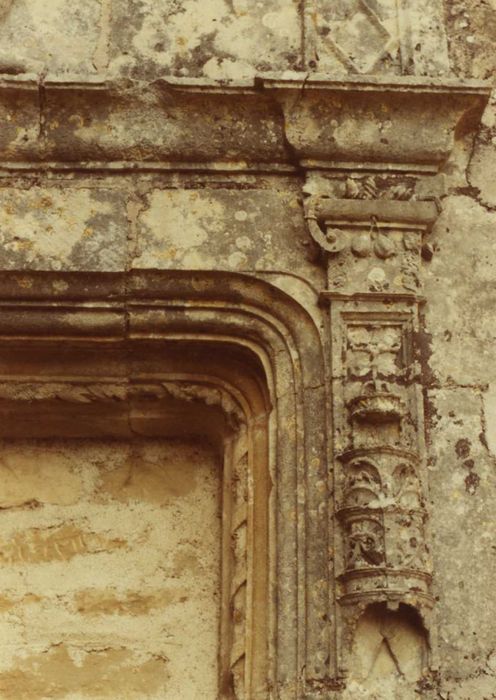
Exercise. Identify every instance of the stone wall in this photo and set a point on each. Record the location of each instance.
(219, 39)
(147, 140)
(459, 322)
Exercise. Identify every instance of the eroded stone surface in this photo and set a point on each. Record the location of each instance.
(59, 228)
(222, 230)
(110, 558)
(110, 578)
(390, 653)
(31, 29)
(220, 39)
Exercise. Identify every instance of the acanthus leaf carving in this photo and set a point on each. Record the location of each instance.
(382, 478)
(86, 393)
(383, 514)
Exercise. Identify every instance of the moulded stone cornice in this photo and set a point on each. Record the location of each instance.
(377, 450)
(421, 214)
(408, 122)
(370, 83)
(400, 123)
(62, 322)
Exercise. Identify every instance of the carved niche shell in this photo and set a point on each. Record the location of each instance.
(363, 485)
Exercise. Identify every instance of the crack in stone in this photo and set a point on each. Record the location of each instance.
(101, 57)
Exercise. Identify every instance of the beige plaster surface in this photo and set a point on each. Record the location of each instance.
(110, 569)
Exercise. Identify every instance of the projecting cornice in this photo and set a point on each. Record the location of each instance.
(274, 122)
(403, 123)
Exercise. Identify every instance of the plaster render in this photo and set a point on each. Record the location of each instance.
(145, 515)
(249, 247)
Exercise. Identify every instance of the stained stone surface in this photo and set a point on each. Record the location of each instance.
(109, 569)
(59, 36)
(460, 336)
(56, 228)
(110, 551)
(220, 39)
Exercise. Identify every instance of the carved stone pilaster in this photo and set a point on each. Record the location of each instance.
(372, 241)
(372, 150)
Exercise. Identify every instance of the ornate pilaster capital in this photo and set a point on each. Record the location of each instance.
(373, 245)
(372, 149)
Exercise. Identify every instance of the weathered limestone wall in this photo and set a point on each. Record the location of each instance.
(97, 571)
(461, 379)
(110, 565)
(218, 39)
(257, 225)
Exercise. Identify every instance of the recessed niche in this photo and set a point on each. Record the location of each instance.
(390, 649)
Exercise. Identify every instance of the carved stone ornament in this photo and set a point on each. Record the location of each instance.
(383, 518)
(380, 241)
(375, 36)
(376, 406)
(370, 206)
(315, 401)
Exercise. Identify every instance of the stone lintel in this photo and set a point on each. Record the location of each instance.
(394, 123)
